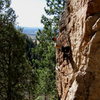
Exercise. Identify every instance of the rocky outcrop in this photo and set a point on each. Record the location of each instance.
(78, 70)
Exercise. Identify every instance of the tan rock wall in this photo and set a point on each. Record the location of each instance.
(78, 75)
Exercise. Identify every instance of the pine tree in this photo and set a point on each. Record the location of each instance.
(16, 74)
(44, 53)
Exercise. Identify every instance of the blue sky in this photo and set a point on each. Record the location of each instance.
(29, 12)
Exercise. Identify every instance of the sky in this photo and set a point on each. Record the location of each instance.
(29, 12)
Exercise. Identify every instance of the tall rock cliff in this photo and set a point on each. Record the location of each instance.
(78, 58)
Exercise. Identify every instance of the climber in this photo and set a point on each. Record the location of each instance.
(66, 53)
(58, 44)
(65, 49)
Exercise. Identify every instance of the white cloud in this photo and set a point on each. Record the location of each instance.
(29, 12)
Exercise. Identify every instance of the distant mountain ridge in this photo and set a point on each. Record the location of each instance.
(30, 30)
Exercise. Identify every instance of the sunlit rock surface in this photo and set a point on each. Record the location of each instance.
(78, 76)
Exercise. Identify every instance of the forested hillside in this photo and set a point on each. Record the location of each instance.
(44, 60)
(27, 68)
(16, 72)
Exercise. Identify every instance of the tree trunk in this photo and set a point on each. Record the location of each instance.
(9, 95)
(46, 97)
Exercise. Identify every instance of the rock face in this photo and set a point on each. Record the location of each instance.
(78, 68)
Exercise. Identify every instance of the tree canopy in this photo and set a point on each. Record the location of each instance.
(27, 69)
(44, 60)
(16, 73)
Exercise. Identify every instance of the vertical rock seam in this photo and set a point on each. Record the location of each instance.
(78, 76)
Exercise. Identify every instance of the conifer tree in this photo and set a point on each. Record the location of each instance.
(44, 53)
(16, 74)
